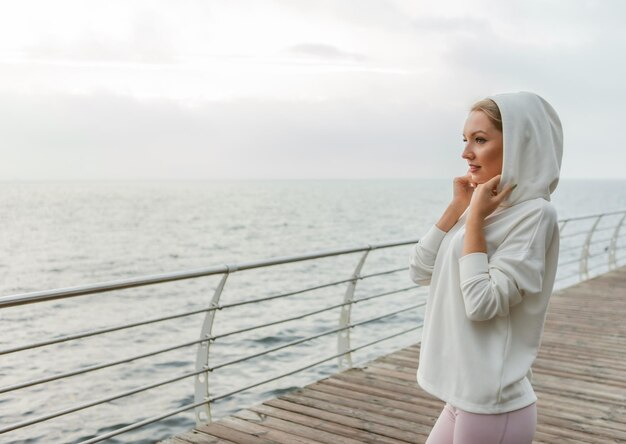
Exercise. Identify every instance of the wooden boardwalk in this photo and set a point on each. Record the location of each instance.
(579, 377)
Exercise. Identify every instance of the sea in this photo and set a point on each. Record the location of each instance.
(64, 234)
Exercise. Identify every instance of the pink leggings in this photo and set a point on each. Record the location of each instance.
(456, 426)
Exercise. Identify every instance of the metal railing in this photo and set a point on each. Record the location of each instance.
(589, 258)
(571, 242)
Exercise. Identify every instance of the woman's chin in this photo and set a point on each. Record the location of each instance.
(476, 178)
(480, 178)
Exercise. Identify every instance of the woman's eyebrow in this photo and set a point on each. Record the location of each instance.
(477, 131)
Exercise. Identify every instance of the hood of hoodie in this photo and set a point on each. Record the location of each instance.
(532, 141)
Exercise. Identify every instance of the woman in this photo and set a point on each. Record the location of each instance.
(490, 262)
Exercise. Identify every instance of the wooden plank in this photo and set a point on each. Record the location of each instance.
(358, 423)
(361, 431)
(309, 431)
(194, 436)
(579, 376)
(276, 436)
(223, 430)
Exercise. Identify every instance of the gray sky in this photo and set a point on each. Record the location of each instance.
(296, 89)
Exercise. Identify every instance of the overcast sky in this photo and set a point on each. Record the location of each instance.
(296, 89)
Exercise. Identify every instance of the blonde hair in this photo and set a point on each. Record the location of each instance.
(492, 111)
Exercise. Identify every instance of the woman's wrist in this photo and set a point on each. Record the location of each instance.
(474, 239)
(475, 219)
(458, 205)
(450, 216)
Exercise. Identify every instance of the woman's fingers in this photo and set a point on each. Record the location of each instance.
(494, 180)
(465, 181)
(470, 182)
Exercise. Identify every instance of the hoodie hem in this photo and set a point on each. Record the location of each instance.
(515, 404)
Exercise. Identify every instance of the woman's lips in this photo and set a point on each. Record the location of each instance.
(473, 169)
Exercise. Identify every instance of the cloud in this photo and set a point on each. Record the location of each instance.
(447, 25)
(144, 38)
(110, 136)
(381, 14)
(382, 91)
(323, 51)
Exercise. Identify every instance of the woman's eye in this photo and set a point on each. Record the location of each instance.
(478, 139)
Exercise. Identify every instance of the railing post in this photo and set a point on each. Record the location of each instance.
(343, 336)
(584, 266)
(202, 392)
(613, 247)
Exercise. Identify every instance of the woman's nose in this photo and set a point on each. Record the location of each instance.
(467, 153)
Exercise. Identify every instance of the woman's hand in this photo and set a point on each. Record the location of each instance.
(486, 199)
(463, 190)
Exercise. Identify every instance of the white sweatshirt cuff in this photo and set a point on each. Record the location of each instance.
(472, 265)
(432, 239)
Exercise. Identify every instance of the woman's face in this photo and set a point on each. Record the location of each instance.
(483, 147)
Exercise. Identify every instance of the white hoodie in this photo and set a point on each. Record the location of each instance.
(485, 312)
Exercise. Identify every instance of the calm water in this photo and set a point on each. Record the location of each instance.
(64, 234)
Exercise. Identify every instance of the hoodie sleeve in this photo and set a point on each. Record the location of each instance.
(423, 254)
(491, 286)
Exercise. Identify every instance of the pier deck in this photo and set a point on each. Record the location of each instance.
(579, 377)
